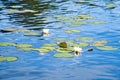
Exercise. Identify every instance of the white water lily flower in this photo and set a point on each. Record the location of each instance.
(46, 32)
(77, 51)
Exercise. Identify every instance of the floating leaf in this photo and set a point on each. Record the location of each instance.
(23, 45)
(70, 42)
(85, 39)
(83, 16)
(97, 22)
(75, 23)
(63, 55)
(7, 44)
(72, 31)
(26, 48)
(16, 6)
(2, 58)
(62, 44)
(32, 11)
(64, 50)
(111, 5)
(11, 58)
(107, 48)
(43, 50)
(100, 43)
(32, 34)
(83, 44)
(23, 30)
(48, 45)
(12, 11)
(12, 29)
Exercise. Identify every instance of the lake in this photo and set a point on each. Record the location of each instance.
(27, 54)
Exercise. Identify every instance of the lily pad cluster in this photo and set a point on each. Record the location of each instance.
(63, 47)
(74, 21)
(8, 58)
(24, 31)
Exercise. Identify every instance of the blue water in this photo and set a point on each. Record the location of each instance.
(95, 65)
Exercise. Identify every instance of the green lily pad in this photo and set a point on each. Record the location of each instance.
(97, 22)
(83, 44)
(2, 58)
(23, 45)
(100, 43)
(62, 44)
(32, 34)
(75, 23)
(7, 44)
(85, 39)
(11, 58)
(16, 6)
(107, 48)
(70, 42)
(63, 55)
(64, 50)
(12, 29)
(26, 48)
(32, 11)
(111, 5)
(72, 31)
(43, 50)
(9, 11)
(48, 45)
(24, 30)
(83, 17)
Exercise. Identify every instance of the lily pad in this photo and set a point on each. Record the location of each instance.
(97, 22)
(16, 6)
(32, 34)
(43, 50)
(26, 48)
(62, 44)
(100, 43)
(7, 44)
(83, 44)
(111, 5)
(70, 42)
(23, 45)
(48, 45)
(72, 31)
(32, 11)
(75, 23)
(107, 48)
(63, 55)
(84, 39)
(83, 17)
(11, 58)
(64, 50)
(12, 29)
(2, 58)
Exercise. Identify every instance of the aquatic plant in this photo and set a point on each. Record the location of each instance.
(63, 55)
(7, 44)
(107, 48)
(72, 31)
(8, 58)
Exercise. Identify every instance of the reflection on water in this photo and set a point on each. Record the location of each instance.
(100, 21)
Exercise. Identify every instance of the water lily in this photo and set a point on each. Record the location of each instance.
(46, 32)
(77, 51)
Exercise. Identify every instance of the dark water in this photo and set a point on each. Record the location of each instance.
(95, 65)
